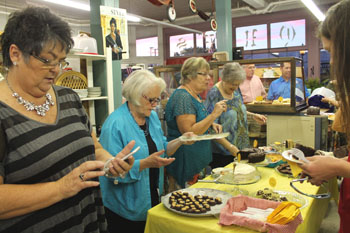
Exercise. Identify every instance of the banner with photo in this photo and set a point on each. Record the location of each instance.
(115, 31)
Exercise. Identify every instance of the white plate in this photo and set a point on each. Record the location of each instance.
(214, 210)
(288, 155)
(293, 197)
(204, 137)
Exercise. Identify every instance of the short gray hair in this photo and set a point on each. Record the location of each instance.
(233, 72)
(139, 82)
(190, 68)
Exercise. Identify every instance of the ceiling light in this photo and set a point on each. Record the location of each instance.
(314, 9)
(69, 3)
(165, 23)
(133, 18)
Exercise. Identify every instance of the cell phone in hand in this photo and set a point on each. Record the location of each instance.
(131, 153)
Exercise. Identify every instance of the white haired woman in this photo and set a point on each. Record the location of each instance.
(128, 201)
(234, 120)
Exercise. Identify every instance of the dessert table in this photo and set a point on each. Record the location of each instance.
(160, 219)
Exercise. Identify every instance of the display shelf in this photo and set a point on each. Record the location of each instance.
(108, 92)
(92, 57)
(94, 98)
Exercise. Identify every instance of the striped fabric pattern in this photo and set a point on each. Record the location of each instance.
(39, 152)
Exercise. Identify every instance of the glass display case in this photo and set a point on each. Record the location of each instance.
(285, 93)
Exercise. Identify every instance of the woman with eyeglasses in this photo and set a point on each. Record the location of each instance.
(234, 120)
(127, 199)
(50, 159)
(185, 112)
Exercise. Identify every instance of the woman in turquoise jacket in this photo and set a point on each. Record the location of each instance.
(127, 199)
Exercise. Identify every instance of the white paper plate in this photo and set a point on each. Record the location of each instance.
(204, 137)
(214, 210)
(288, 155)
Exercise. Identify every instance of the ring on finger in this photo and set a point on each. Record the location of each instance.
(81, 176)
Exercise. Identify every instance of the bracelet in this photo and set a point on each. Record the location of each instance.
(106, 168)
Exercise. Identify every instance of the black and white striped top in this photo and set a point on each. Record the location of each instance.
(39, 152)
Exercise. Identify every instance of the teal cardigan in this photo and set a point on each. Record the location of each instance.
(131, 197)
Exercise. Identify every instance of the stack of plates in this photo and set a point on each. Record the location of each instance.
(83, 93)
(94, 91)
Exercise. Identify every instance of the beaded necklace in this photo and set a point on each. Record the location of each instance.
(40, 109)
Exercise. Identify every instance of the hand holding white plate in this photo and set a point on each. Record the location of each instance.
(204, 137)
(295, 155)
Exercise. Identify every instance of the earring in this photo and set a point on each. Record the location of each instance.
(14, 63)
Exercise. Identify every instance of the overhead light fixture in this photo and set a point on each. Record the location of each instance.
(165, 24)
(314, 9)
(258, 4)
(133, 18)
(69, 3)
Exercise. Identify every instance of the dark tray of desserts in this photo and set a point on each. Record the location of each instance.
(254, 156)
(284, 170)
(196, 202)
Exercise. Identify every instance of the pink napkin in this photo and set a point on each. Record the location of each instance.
(240, 203)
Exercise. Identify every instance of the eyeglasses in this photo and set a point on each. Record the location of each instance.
(152, 100)
(62, 64)
(204, 74)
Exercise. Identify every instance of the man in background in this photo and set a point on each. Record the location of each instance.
(281, 86)
(252, 86)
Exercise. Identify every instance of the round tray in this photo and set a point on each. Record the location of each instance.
(293, 197)
(215, 210)
(283, 174)
(229, 179)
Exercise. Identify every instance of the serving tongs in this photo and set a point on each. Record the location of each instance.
(317, 196)
(300, 155)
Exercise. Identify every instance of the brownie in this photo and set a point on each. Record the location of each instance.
(308, 151)
(256, 157)
(245, 152)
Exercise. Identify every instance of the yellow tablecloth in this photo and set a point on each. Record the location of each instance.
(162, 220)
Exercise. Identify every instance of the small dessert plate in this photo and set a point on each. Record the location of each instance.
(295, 155)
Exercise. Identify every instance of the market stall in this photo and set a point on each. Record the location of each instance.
(160, 219)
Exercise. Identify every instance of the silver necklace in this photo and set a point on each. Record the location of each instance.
(40, 109)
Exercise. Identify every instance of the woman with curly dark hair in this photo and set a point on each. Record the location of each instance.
(50, 159)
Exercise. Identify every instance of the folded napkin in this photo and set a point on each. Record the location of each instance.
(241, 203)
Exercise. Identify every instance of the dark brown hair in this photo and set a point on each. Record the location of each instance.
(336, 29)
(33, 28)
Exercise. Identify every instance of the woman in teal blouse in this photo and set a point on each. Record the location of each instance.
(185, 112)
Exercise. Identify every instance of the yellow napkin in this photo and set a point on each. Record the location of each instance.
(284, 213)
(295, 168)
